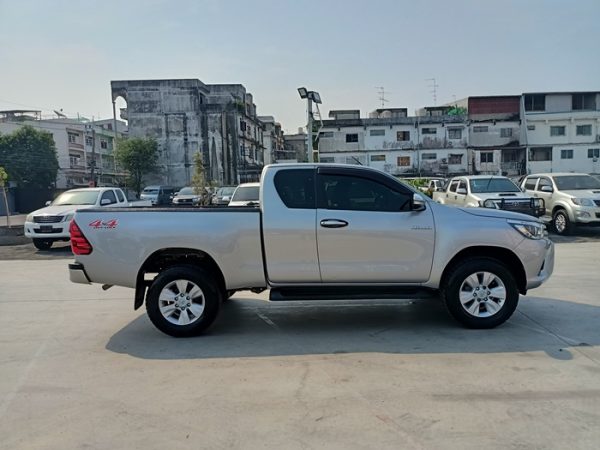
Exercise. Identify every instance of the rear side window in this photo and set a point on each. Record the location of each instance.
(453, 186)
(110, 195)
(120, 195)
(296, 188)
(530, 183)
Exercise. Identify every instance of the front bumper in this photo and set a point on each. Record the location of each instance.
(587, 215)
(537, 276)
(77, 274)
(57, 231)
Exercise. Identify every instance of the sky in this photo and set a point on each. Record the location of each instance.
(63, 54)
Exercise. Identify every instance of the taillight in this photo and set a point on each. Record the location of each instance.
(79, 244)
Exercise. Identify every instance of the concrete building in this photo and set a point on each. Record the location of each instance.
(80, 145)
(494, 135)
(187, 116)
(296, 144)
(561, 131)
(391, 141)
(273, 141)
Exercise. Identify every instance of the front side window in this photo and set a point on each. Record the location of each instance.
(120, 195)
(530, 183)
(353, 193)
(296, 188)
(543, 182)
(453, 186)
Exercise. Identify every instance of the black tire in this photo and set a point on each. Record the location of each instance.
(451, 291)
(193, 275)
(42, 244)
(561, 223)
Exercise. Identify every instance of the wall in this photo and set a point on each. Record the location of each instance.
(492, 137)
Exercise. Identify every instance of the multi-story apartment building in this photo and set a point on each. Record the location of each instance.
(273, 142)
(186, 117)
(561, 131)
(84, 149)
(391, 141)
(296, 145)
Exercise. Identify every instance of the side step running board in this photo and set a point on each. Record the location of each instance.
(350, 293)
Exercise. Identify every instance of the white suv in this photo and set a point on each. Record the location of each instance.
(50, 224)
(571, 198)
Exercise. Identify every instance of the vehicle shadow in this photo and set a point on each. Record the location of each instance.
(255, 328)
(580, 235)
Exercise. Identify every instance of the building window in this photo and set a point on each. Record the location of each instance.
(403, 136)
(584, 130)
(326, 134)
(326, 159)
(486, 157)
(535, 102)
(72, 138)
(429, 131)
(242, 125)
(88, 141)
(103, 144)
(377, 158)
(429, 156)
(506, 132)
(540, 154)
(480, 129)
(455, 133)
(566, 154)
(455, 159)
(377, 133)
(530, 127)
(557, 131)
(403, 161)
(584, 102)
(593, 152)
(352, 137)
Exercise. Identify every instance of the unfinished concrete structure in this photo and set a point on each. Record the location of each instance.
(186, 117)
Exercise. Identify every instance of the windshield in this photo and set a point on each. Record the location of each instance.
(576, 182)
(486, 185)
(246, 194)
(76, 198)
(150, 191)
(226, 191)
(186, 191)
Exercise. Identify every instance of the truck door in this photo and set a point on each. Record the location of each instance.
(366, 230)
(288, 204)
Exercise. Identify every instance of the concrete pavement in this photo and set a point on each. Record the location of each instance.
(80, 369)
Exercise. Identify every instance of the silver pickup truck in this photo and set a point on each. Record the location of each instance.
(321, 232)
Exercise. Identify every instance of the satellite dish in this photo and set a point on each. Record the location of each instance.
(60, 114)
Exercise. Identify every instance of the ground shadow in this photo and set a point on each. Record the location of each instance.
(255, 328)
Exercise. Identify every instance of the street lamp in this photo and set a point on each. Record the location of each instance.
(310, 96)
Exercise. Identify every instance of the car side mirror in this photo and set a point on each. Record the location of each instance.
(547, 189)
(461, 191)
(104, 202)
(418, 203)
(48, 203)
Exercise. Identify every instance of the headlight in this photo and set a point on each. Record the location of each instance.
(583, 201)
(531, 230)
(29, 218)
(68, 217)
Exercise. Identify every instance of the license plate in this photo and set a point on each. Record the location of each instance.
(46, 228)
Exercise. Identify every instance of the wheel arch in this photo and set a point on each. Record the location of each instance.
(168, 257)
(503, 255)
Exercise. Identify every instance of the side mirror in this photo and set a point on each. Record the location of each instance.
(48, 203)
(547, 189)
(461, 191)
(105, 202)
(418, 203)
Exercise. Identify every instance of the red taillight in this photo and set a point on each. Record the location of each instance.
(79, 244)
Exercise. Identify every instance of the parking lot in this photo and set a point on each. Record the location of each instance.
(80, 369)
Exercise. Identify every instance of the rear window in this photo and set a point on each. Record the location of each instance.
(246, 194)
(296, 188)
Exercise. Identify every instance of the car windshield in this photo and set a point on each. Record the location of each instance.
(246, 194)
(226, 191)
(576, 182)
(186, 191)
(486, 185)
(76, 198)
(150, 191)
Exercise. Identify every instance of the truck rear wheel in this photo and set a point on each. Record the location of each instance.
(480, 293)
(183, 301)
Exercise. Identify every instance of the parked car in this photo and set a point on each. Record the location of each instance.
(433, 185)
(246, 194)
(322, 232)
(187, 197)
(50, 224)
(489, 192)
(572, 199)
(223, 195)
(158, 195)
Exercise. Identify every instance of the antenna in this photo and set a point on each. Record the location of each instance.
(381, 98)
(433, 90)
(60, 114)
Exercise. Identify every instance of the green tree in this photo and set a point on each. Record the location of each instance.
(199, 182)
(3, 180)
(30, 157)
(139, 157)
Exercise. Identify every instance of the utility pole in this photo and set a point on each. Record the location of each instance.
(309, 144)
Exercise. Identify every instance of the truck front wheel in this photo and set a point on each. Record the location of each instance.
(562, 224)
(183, 301)
(480, 293)
(43, 244)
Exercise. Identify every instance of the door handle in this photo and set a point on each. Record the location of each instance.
(333, 223)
